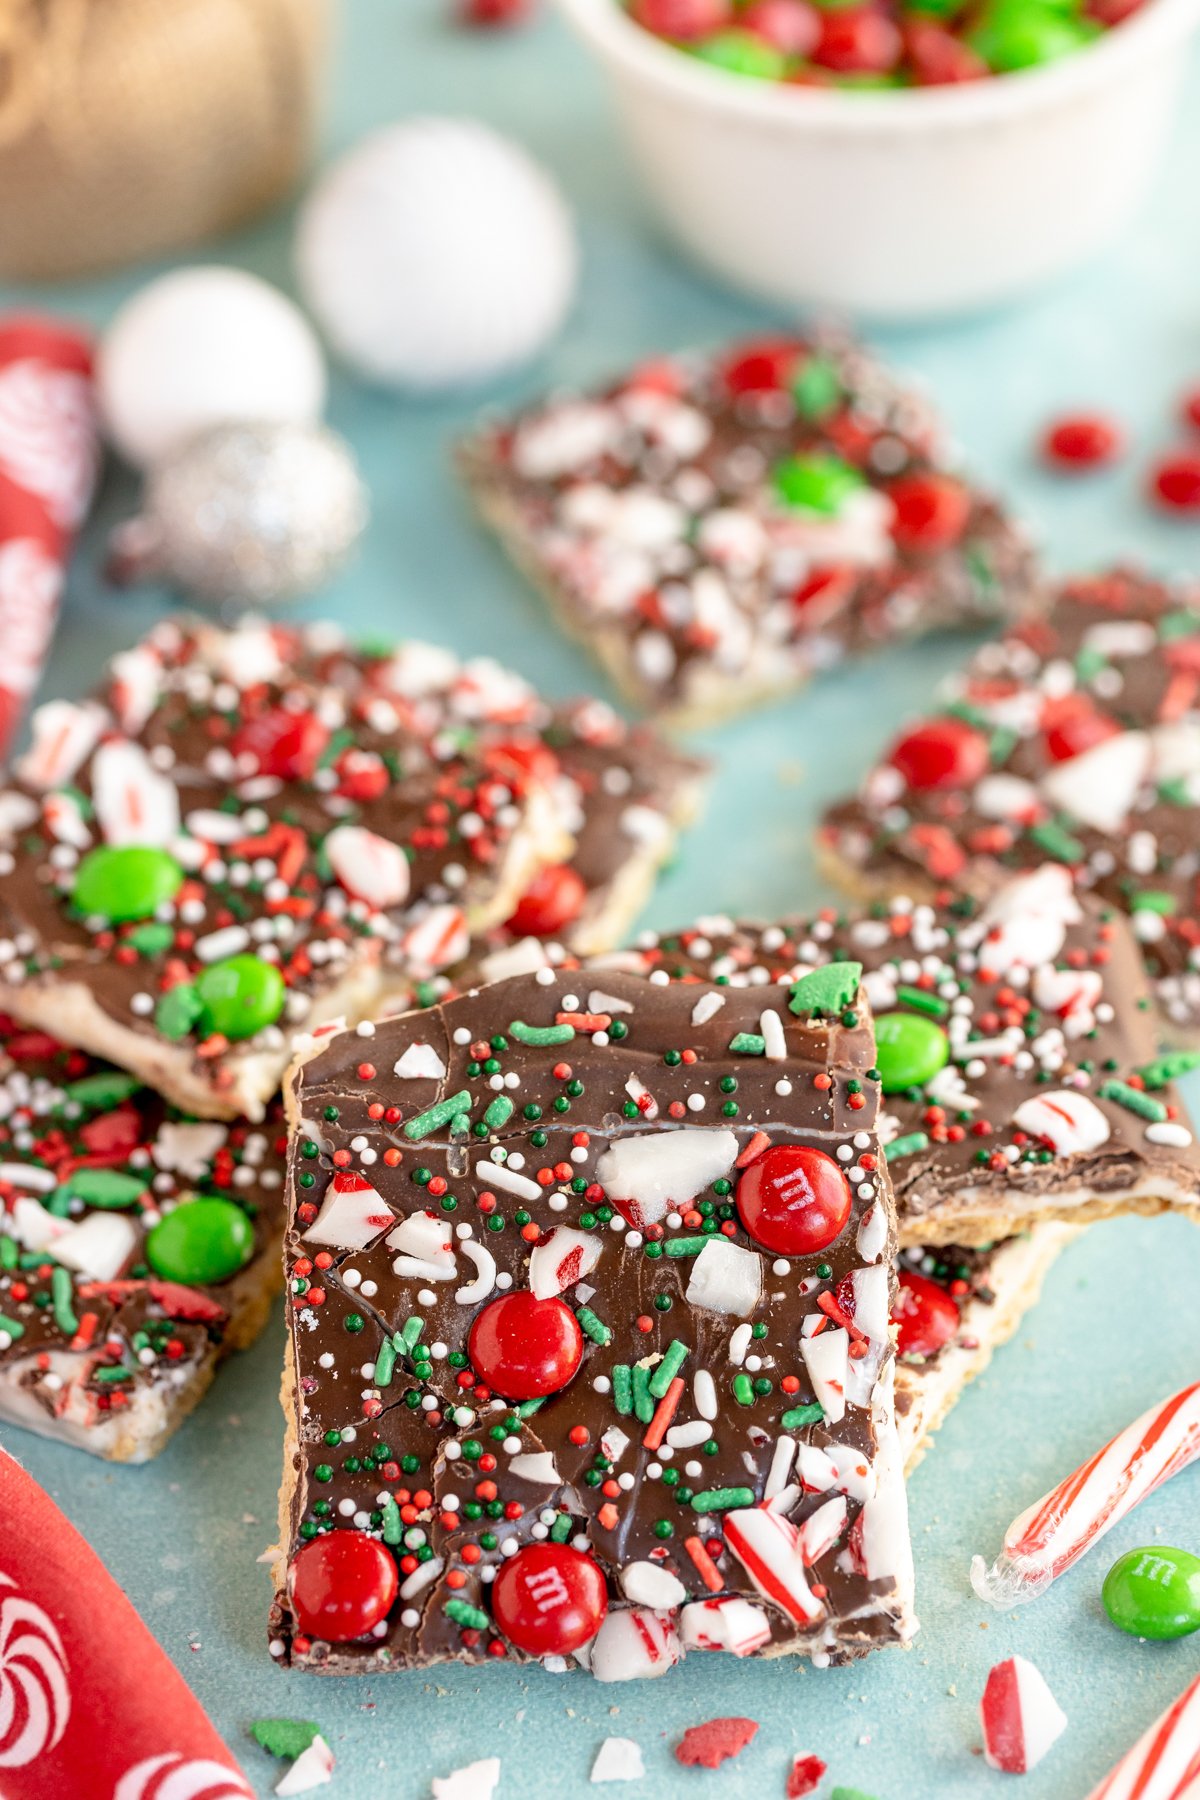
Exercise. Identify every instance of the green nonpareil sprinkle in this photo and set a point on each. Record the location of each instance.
(673, 1360)
(593, 1326)
(722, 1499)
(1057, 842)
(685, 1246)
(540, 1036)
(286, 1738)
(62, 1293)
(747, 1043)
(498, 1113)
(812, 1414)
(561, 1529)
(393, 1524)
(743, 1390)
(921, 1001)
(410, 1333)
(643, 1399)
(438, 1115)
(908, 1145)
(1166, 1069)
(1133, 1100)
(12, 1328)
(466, 1615)
(622, 1389)
(385, 1361)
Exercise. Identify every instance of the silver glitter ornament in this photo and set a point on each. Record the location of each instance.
(255, 513)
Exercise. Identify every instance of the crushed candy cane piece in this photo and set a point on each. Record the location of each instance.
(618, 1759)
(708, 1745)
(1020, 1716)
(474, 1781)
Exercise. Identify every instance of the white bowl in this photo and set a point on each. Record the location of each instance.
(901, 204)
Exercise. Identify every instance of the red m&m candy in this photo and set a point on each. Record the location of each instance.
(941, 753)
(794, 1200)
(1175, 482)
(549, 1600)
(554, 899)
(341, 1585)
(282, 743)
(925, 1315)
(524, 1347)
(1080, 441)
(931, 511)
(1073, 725)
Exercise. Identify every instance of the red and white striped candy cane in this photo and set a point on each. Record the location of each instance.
(1057, 1530)
(1164, 1764)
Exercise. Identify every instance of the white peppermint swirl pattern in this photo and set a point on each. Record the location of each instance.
(48, 436)
(174, 1777)
(35, 1696)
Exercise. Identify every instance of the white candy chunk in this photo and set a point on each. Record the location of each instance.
(817, 1471)
(64, 735)
(423, 1238)
(614, 1443)
(853, 1474)
(871, 1241)
(822, 1529)
(725, 1278)
(536, 1466)
(30, 1177)
(439, 938)
(352, 1214)
(560, 1259)
(1025, 922)
(731, 1624)
(134, 803)
(707, 1007)
(1067, 1119)
(1176, 750)
(33, 1226)
(369, 867)
(525, 957)
(136, 677)
(65, 821)
(485, 1273)
(646, 1175)
(618, 1759)
(826, 1357)
(418, 668)
(477, 1781)
(768, 1547)
(1021, 1719)
(420, 1062)
(646, 1584)
(782, 1458)
(1099, 787)
(311, 1769)
(1006, 797)
(635, 1644)
(770, 1026)
(879, 1540)
(187, 1148)
(600, 1002)
(99, 1246)
(246, 655)
(872, 1306)
(704, 1392)
(1071, 994)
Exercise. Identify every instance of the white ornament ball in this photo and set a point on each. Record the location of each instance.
(436, 253)
(203, 347)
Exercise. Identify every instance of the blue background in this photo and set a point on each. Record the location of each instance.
(1118, 1327)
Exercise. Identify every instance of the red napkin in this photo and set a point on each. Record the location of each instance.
(48, 460)
(89, 1705)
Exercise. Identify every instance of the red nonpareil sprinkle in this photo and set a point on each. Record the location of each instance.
(707, 1746)
(1175, 482)
(804, 1777)
(1080, 441)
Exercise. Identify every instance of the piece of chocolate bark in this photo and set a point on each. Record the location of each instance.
(1015, 1046)
(1075, 738)
(590, 1355)
(955, 1306)
(718, 527)
(137, 1248)
(248, 832)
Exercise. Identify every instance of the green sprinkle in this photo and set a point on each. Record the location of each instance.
(622, 1389)
(685, 1246)
(438, 1115)
(100, 1093)
(668, 1368)
(541, 1036)
(498, 1113)
(106, 1188)
(393, 1525)
(287, 1738)
(527, 1408)
(12, 1328)
(817, 388)
(743, 1390)
(923, 1002)
(593, 1326)
(721, 1499)
(812, 1414)
(1163, 904)
(410, 1334)
(62, 1289)
(830, 989)
(178, 1011)
(1178, 625)
(1057, 842)
(152, 939)
(1133, 1100)
(114, 1372)
(561, 1529)
(1166, 1069)
(385, 1360)
(466, 1615)
(908, 1145)
(643, 1399)
(10, 1253)
(748, 1043)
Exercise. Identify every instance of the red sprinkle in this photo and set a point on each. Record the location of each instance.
(1080, 441)
(1175, 482)
(805, 1777)
(707, 1746)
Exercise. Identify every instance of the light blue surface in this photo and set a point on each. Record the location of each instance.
(1119, 1326)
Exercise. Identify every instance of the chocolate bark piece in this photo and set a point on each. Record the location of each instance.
(137, 1248)
(252, 830)
(991, 1288)
(1021, 1080)
(715, 527)
(593, 1148)
(1075, 738)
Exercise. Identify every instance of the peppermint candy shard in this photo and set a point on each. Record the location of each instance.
(1021, 1718)
(707, 1746)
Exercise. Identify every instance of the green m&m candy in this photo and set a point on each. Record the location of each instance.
(909, 1050)
(742, 53)
(820, 484)
(1022, 34)
(240, 996)
(1154, 1593)
(201, 1242)
(124, 882)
